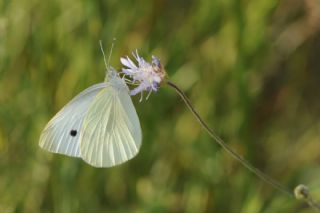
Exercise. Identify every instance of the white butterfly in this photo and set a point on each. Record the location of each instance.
(100, 125)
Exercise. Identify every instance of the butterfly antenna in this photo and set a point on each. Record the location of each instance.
(112, 45)
(104, 56)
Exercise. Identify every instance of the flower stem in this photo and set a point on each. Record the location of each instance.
(301, 192)
(227, 148)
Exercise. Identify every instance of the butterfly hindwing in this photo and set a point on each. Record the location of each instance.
(111, 132)
(61, 134)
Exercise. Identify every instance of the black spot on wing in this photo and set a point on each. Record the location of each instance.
(73, 133)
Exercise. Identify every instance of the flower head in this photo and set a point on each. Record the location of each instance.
(148, 76)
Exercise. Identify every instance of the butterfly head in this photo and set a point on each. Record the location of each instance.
(112, 78)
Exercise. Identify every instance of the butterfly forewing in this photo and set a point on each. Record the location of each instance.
(111, 132)
(61, 134)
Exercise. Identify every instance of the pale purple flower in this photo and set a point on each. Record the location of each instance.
(147, 76)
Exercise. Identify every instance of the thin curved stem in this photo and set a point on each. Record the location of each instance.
(227, 148)
(301, 192)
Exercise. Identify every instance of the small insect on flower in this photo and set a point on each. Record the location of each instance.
(148, 76)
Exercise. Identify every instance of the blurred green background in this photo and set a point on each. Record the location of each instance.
(251, 68)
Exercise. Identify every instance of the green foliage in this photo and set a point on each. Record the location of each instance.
(251, 68)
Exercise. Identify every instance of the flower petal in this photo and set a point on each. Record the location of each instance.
(128, 63)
